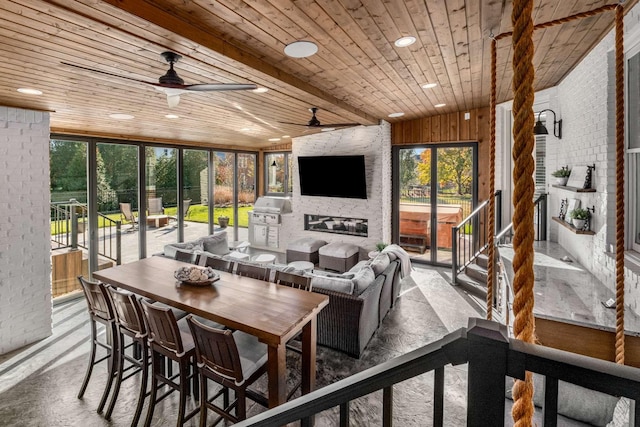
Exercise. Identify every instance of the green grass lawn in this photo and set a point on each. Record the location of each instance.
(197, 213)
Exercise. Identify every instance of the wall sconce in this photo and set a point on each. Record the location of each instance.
(540, 129)
(273, 167)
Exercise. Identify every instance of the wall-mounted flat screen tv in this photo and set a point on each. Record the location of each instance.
(333, 176)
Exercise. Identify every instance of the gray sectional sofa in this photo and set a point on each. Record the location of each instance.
(359, 299)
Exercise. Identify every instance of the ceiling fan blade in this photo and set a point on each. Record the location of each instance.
(205, 87)
(93, 70)
(336, 125)
(332, 125)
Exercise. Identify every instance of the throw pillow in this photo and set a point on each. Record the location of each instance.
(359, 265)
(622, 412)
(380, 262)
(216, 244)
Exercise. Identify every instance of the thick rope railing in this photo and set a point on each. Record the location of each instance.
(564, 20)
(619, 185)
(523, 75)
(492, 186)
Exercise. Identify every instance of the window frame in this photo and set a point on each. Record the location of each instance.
(632, 169)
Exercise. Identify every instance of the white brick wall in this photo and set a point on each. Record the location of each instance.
(585, 101)
(375, 143)
(25, 265)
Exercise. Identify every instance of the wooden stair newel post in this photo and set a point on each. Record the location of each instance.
(523, 74)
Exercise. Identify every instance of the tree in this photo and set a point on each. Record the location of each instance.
(408, 173)
(455, 165)
(424, 168)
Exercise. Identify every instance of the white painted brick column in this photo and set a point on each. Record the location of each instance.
(25, 262)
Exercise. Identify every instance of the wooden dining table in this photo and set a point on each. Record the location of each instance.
(273, 313)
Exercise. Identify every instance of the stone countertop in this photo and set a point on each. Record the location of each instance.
(569, 292)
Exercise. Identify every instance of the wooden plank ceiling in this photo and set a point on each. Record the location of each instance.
(358, 75)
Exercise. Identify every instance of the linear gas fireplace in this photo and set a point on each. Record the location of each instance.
(337, 225)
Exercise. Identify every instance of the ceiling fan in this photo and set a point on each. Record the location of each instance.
(315, 123)
(172, 85)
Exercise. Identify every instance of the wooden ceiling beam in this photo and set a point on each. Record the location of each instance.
(161, 18)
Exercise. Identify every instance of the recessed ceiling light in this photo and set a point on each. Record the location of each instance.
(29, 91)
(301, 49)
(327, 129)
(172, 116)
(245, 129)
(439, 105)
(260, 90)
(286, 136)
(120, 116)
(429, 85)
(405, 41)
(396, 114)
(274, 139)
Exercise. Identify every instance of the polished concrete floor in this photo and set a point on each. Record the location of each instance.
(39, 383)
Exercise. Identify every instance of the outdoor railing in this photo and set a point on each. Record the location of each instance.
(69, 222)
(470, 238)
(490, 356)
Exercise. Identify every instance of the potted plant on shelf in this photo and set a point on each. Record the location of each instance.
(578, 217)
(561, 175)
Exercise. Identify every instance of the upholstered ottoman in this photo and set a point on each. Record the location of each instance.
(338, 256)
(305, 249)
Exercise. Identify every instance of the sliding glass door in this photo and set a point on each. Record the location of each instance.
(436, 189)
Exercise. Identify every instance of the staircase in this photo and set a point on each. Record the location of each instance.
(474, 277)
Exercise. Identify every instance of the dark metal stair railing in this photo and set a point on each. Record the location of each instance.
(491, 357)
(69, 230)
(469, 238)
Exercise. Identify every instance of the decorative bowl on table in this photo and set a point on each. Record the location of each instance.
(198, 276)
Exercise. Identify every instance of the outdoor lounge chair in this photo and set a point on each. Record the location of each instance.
(126, 214)
(154, 206)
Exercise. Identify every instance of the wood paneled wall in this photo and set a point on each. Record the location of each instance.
(451, 128)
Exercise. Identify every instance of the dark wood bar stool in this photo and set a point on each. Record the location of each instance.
(234, 360)
(171, 339)
(130, 323)
(100, 311)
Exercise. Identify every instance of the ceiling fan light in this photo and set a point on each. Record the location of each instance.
(300, 49)
(173, 100)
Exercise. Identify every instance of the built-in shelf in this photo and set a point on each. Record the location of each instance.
(572, 228)
(575, 189)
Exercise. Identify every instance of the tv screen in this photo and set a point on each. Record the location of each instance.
(333, 176)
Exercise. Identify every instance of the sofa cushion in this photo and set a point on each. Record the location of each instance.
(362, 279)
(336, 284)
(359, 265)
(216, 244)
(170, 250)
(380, 262)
